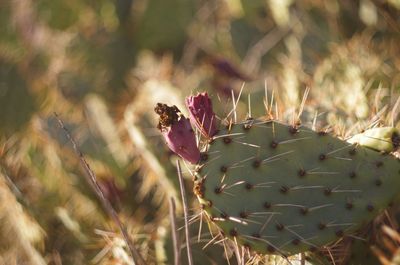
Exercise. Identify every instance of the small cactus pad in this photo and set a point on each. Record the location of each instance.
(281, 189)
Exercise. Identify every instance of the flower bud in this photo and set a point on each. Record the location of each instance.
(177, 132)
(202, 114)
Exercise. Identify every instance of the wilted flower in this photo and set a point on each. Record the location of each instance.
(177, 132)
(202, 114)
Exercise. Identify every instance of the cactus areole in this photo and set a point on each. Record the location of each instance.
(279, 189)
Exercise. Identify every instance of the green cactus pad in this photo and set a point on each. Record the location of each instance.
(284, 190)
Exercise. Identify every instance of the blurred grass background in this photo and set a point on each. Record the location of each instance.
(103, 65)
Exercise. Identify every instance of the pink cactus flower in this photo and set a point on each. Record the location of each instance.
(202, 114)
(178, 132)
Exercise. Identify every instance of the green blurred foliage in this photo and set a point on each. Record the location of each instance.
(59, 15)
(163, 25)
(16, 101)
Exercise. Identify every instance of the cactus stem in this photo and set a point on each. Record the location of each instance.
(352, 189)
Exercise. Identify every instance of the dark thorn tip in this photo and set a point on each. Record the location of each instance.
(284, 189)
(223, 169)
(248, 186)
(256, 163)
(279, 227)
(203, 157)
(267, 205)
(301, 173)
(274, 144)
(233, 232)
(227, 140)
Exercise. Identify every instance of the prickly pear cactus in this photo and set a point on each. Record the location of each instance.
(282, 189)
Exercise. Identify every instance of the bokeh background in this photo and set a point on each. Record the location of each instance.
(102, 65)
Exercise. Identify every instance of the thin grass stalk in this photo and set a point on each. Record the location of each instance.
(175, 237)
(185, 213)
(91, 179)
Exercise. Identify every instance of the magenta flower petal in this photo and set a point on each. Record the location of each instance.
(181, 140)
(178, 133)
(202, 114)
